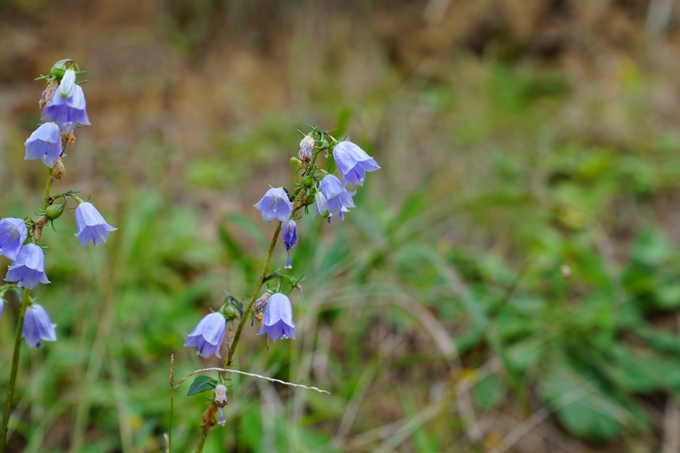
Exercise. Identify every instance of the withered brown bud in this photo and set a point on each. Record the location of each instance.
(58, 171)
(260, 303)
(39, 224)
(47, 93)
(68, 138)
(208, 416)
(259, 317)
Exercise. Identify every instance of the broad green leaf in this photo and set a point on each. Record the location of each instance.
(201, 384)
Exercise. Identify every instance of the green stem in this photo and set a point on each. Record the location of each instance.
(15, 366)
(17, 339)
(48, 188)
(260, 282)
(172, 399)
(201, 440)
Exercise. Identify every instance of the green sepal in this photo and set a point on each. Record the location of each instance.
(201, 384)
(17, 292)
(59, 68)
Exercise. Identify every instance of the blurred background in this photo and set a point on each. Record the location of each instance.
(507, 283)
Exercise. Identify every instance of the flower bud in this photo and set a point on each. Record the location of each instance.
(230, 312)
(308, 181)
(295, 161)
(54, 211)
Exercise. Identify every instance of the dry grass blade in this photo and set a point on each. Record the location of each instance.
(226, 370)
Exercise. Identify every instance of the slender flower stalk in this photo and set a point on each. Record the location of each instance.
(15, 367)
(25, 300)
(258, 287)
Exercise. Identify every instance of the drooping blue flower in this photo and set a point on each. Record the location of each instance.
(278, 318)
(91, 225)
(2, 306)
(13, 233)
(28, 268)
(333, 198)
(37, 326)
(67, 105)
(290, 238)
(208, 335)
(353, 162)
(275, 205)
(44, 143)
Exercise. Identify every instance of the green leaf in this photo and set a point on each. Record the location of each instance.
(201, 384)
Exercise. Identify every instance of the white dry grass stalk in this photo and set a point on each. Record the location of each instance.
(226, 370)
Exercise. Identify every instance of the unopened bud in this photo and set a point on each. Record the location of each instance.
(54, 211)
(58, 171)
(308, 181)
(230, 312)
(295, 161)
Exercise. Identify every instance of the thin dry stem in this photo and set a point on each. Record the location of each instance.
(227, 370)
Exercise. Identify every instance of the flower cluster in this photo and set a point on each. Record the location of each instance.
(64, 109)
(328, 195)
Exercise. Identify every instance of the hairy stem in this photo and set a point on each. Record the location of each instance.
(15, 366)
(258, 287)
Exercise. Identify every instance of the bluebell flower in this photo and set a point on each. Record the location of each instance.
(278, 318)
(91, 225)
(37, 326)
(275, 205)
(28, 268)
(2, 306)
(44, 143)
(333, 198)
(13, 233)
(290, 238)
(67, 105)
(208, 335)
(353, 162)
